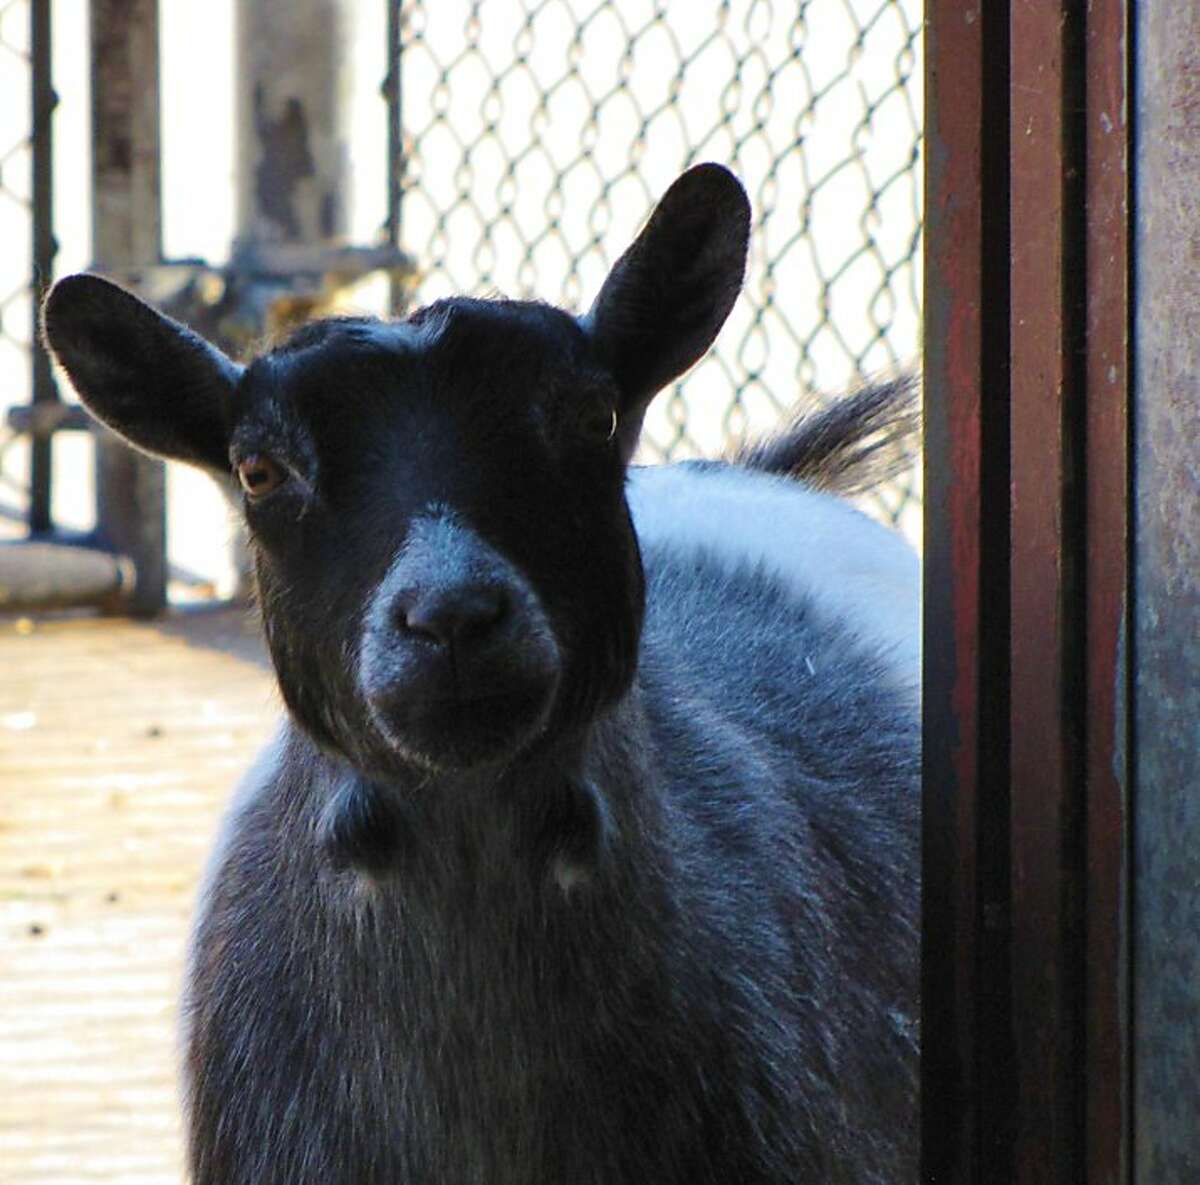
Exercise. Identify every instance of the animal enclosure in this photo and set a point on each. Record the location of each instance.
(820, 114)
(1061, 670)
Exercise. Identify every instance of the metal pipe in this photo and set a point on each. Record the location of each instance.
(393, 94)
(291, 255)
(44, 100)
(37, 575)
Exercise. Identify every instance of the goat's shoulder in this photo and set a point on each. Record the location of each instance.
(849, 570)
(759, 677)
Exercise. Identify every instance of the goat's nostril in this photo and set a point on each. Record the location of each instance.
(454, 614)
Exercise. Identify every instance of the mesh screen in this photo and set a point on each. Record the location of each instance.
(536, 136)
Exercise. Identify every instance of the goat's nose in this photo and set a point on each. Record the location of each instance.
(453, 615)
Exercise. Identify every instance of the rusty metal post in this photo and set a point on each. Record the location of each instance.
(126, 221)
(966, 1090)
(1047, 706)
(1165, 654)
(1026, 947)
(1107, 147)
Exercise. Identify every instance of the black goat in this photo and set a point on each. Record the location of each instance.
(585, 854)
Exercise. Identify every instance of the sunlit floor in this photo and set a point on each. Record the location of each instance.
(119, 744)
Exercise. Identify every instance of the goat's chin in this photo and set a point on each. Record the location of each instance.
(446, 735)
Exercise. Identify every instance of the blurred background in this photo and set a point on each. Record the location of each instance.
(247, 163)
(512, 147)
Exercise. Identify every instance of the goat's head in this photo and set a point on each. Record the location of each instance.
(446, 565)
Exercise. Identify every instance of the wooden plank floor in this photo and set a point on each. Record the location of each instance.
(119, 744)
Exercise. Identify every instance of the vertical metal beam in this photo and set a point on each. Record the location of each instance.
(394, 94)
(1047, 284)
(1106, 434)
(126, 222)
(43, 103)
(1166, 620)
(965, 1082)
(1027, 321)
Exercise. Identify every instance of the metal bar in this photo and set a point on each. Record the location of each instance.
(1106, 432)
(126, 221)
(395, 162)
(56, 575)
(952, 300)
(1165, 657)
(45, 392)
(1046, 620)
(1026, 312)
(964, 947)
(42, 420)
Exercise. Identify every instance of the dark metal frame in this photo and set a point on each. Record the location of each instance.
(1026, 941)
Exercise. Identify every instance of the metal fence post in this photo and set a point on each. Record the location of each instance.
(293, 171)
(393, 92)
(1025, 937)
(126, 221)
(44, 248)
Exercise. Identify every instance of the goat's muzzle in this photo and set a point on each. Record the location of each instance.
(458, 663)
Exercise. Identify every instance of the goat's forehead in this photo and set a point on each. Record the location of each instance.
(455, 344)
(495, 337)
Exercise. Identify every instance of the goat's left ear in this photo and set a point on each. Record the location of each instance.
(151, 380)
(667, 297)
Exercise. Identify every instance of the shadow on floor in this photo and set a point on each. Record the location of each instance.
(231, 627)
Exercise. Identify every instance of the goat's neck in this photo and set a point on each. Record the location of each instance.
(558, 812)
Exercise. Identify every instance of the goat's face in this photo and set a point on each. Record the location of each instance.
(446, 565)
(445, 560)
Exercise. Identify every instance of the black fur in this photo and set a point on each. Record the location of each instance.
(571, 863)
(849, 446)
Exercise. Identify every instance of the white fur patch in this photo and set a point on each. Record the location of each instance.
(853, 568)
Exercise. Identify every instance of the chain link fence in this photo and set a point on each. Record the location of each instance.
(16, 230)
(535, 136)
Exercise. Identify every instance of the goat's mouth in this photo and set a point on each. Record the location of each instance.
(443, 727)
(458, 676)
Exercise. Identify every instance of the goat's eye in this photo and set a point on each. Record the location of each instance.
(599, 423)
(259, 475)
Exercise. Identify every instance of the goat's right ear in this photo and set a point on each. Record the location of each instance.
(151, 380)
(667, 297)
